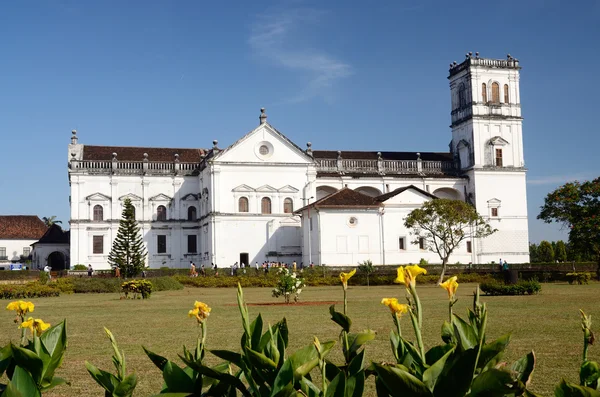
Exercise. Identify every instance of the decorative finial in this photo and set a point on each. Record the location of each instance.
(74, 137)
(418, 156)
(145, 157)
(508, 56)
(263, 116)
(309, 148)
(339, 153)
(114, 157)
(176, 158)
(477, 55)
(378, 155)
(454, 63)
(215, 143)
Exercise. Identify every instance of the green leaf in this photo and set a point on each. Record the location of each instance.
(260, 361)
(21, 384)
(285, 378)
(355, 385)
(126, 387)
(56, 381)
(5, 358)
(437, 352)
(243, 310)
(357, 363)
(589, 373)
(304, 360)
(400, 383)
(381, 388)
(227, 355)
(176, 379)
(457, 376)
(567, 389)
(28, 360)
(159, 361)
(341, 319)
(495, 383)
(256, 332)
(412, 358)
(309, 388)
(337, 386)
(491, 353)
(105, 379)
(357, 340)
(448, 332)
(431, 374)
(464, 332)
(524, 367)
(54, 344)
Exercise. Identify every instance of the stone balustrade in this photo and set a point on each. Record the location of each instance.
(386, 167)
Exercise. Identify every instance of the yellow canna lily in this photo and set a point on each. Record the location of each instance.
(201, 311)
(36, 326)
(451, 286)
(21, 307)
(344, 277)
(395, 307)
(408, 275)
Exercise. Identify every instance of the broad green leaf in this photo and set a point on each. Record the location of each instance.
(455, 380)
(431, 374)
(337, 386)
(228, 355)
(464, 332)
(589, 373)
(243, 310)
(28, 360)
(357, 340)
(5, 358)
(524, 367)
(341, 319)
(159, 361)
(567, 389)
(256, 332)
(356, 365)
(259, 360)
(381, 388)
(176, 379)
(437, 352)
(400, 383)
(285, 378)
(56, 381)
(412, 358)
(105, 379)
(448, 332)
(23, 382)
(217, 373)
(54, 344)
(309, 389)
(303, 361)
(491, 353)
(494, 383)
(126, 387)
(355, 385)
(331, 370)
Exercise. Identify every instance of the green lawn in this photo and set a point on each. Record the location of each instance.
(547, 323)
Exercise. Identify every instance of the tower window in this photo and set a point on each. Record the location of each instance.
(97, 244)
(469, 247)
(421, 243)
(462, 96)
(192, 213)
(495, 92)
(401, 245)
(484, 93)
(265, 205)
(495, 211)
(498, 157)
(161, 244)
(243, 204)
(161, 213)
(506, 93)
(288, 206)
(98, 213)
(192, 244)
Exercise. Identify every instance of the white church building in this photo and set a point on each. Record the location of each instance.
(266, 198)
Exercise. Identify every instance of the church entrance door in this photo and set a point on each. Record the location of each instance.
(244, 258)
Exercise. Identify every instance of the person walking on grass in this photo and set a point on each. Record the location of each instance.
(202, 271)
(90, 270)
(117, 272)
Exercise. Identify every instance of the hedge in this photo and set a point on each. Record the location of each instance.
(26, 291)
(522, 287)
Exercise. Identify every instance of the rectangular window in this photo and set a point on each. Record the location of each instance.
(469, 247)
(494, 211)
(161, 244)
(26, 251)
(421, 243)
(192, 248)
(401, 245)
(3, 253)
(498, 157)
(98, 244)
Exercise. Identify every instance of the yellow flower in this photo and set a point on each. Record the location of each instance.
(408, 275)
(344, 277)
(21, 307)
(201, 311)
(395, 307)
(35, 325)
(451, 286)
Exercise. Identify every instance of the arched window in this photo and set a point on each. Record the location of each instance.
(495, 92)
(462, 96)
(265, 205)
(243, 204)
(484, 93)
(98, 213)
(192, 213)
(288, 206)
(506, 93)
(161, 213)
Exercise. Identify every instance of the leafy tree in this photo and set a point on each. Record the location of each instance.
(367, 268)
(128, 251)
(444, 224)
(49, 221)
(545, 252)
(560, 254)
(576, 206)
(533, 253)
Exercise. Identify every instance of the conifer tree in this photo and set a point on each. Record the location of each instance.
(128, 251)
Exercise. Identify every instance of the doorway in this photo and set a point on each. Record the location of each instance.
(57, 261)
(244, 258)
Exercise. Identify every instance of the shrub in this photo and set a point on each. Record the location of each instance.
(137, 288)
(64, 285)
(79, 266)
(96, 285)
(165, 284)
(578, 278)
(30, 290)
(495, 288)
(43, 278)
(288, 284)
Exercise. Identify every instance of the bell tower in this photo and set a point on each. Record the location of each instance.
(487, 140)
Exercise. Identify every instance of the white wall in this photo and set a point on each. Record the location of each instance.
(14, 248)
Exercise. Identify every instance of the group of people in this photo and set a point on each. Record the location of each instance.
(266, 265)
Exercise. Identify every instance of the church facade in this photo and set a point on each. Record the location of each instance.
(264, 198)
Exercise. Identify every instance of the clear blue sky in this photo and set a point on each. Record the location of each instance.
(344, 75)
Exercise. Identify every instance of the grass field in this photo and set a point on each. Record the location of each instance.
(548, 323)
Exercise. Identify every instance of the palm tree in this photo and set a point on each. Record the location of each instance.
(49, 221)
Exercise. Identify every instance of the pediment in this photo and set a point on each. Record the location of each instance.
(160, 197)
(498, 141)
(97, 197)
(190, 197)
(266, 188)
(287, 189)
(494, 201)
(290, 221)
(131, 197)
(243, 188)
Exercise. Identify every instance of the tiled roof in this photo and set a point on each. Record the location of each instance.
(386, 196)
(425, 156)
(21, 227)
(130, 153)
(344, 198)
(55, 235)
